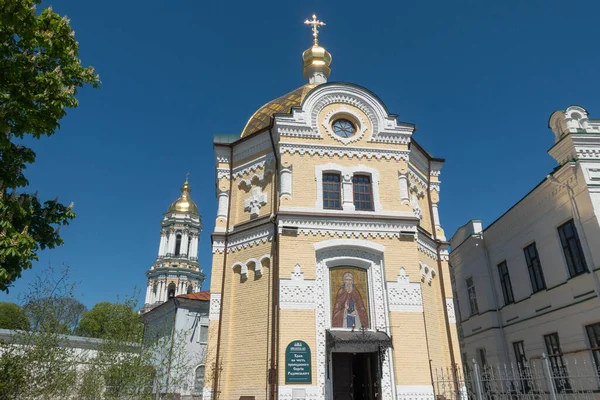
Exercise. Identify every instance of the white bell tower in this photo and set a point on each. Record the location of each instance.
(176, 270)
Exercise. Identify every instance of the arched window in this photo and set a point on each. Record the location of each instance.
(171, 290)
(190, 289)
(199, 379)
(178, 245)
(188, 245)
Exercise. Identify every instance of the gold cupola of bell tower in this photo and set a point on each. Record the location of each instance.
(316, 60)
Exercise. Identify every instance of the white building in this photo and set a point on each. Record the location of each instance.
(176, 270)
(529, 283)
(180, 327)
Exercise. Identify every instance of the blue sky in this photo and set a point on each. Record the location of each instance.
(478, 78)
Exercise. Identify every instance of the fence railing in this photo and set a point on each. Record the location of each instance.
(548, 377)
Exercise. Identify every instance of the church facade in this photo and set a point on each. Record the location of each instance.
(330, 267)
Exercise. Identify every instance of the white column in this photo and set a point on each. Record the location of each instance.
(194, 247)
(163, 244)
(222, 204)
(403, 179)
(184, 243)
(148, 292)
(286, 181)
(347, 195)
(172, 239)
(161, 291)
(436, 215)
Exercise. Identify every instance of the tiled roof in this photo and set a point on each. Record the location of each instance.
(204, 296)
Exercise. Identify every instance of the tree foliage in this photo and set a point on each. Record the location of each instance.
(60, 314)
(117, 321)
(40, 74)
(13, 317)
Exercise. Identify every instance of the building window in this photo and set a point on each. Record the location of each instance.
(507, 291)
(572, 248)
(171, 290)
(522, 364)
(559, 370)
(472, 296)
(481, 358)
(593, 332)
(178, 245)
(190, 289)
(199, 379)
(203, 334)
(189, 243)
(536, 275)
(363, 194)
(332, 194)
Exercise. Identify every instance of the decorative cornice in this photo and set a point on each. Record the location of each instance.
(222, 173)
(417, 176)
(251, 146)
(262, 162)
(434, 186)
(340, 151)
(250, 238)
(349, 227)
(358, 119)
(427, 246)
(415, 392)
(289, 128)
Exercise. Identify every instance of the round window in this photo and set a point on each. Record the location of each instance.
(343, 128)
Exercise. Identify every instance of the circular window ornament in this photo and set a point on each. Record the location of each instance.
(343, 128)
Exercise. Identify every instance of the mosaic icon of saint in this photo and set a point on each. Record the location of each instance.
(349, 310)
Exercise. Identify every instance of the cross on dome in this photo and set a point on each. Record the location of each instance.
(315, 24)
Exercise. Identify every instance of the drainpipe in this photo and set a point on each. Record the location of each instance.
(577, 220)
(488, 264)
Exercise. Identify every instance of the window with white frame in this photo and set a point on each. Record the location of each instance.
(203, 334)
(347, 188)
(199, 378)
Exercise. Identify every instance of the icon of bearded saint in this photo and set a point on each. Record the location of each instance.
(349, 310)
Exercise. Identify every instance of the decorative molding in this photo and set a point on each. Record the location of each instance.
(434, 186)
(297, 130)
(296, 392)
(285, 179)
(253, 145)
(348, 226)
(297, 274)
(414, 202)
(223, 173)
(427, 273)
(262, 162)
(250, 238)
(403, 295)
(340, 151)
(415, 392)
(218, 245)
(215, 307)
(340, 113)
(296, 294)
(427, 246)
(206, 393)
(222, 154)
(256, 262)
(255, 202)
(450, 310)
(417, 177)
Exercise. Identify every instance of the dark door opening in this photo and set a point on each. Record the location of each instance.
(355, 376)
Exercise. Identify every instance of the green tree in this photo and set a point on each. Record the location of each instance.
(13, 317)
(58, 313)
(40, 74)
(115, 321)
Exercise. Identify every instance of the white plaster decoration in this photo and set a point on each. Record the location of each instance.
(223, 204)
(206, 393)
(427, 273)
(148, 292)
(427, 246)
(296, 128)
(415, 392)
(184, 243)
(214, 307)
(263, 162)
(163, 244)
(348, 226)
(434, 186)
(286, 182)
(347, 188)
(218, 245)
(296, 294)
(345, 112)
(450, 310)
(250, 238)
(296, 392)
(436, 214)
(254, 203)
(341, 151)
(251, 146)
(223, 173)
(362, 254)
(386, 128)
(414, 202)
(404, 296)
(403, 180)
(243, 268)
(297, 274)
(222, 154)
(258, 263)
(416, 176)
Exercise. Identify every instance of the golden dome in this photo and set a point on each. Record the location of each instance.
(316, 58)
(262, 117)
(184, 203)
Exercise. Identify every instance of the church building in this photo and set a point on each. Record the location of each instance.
(330, 268)
(176, 270)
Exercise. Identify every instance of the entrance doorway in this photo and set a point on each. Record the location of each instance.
(355, 376)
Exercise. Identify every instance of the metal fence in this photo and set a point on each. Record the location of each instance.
(552, 378)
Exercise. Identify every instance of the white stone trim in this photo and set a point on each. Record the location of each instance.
(285, 180)
(251, 146)
(262, 162)
(286, 392)
(450, 310)
(405, 296)
(296, 295)
(417, 177)
(409, 215)
(250, 238)
(346, 174)
(415, 392)
(361, 254)
(427, 246)
(222, 154)
(215, 307)
(427, 273)
(223, 173)
(357, 119)
(347, 226)
(341, 151)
